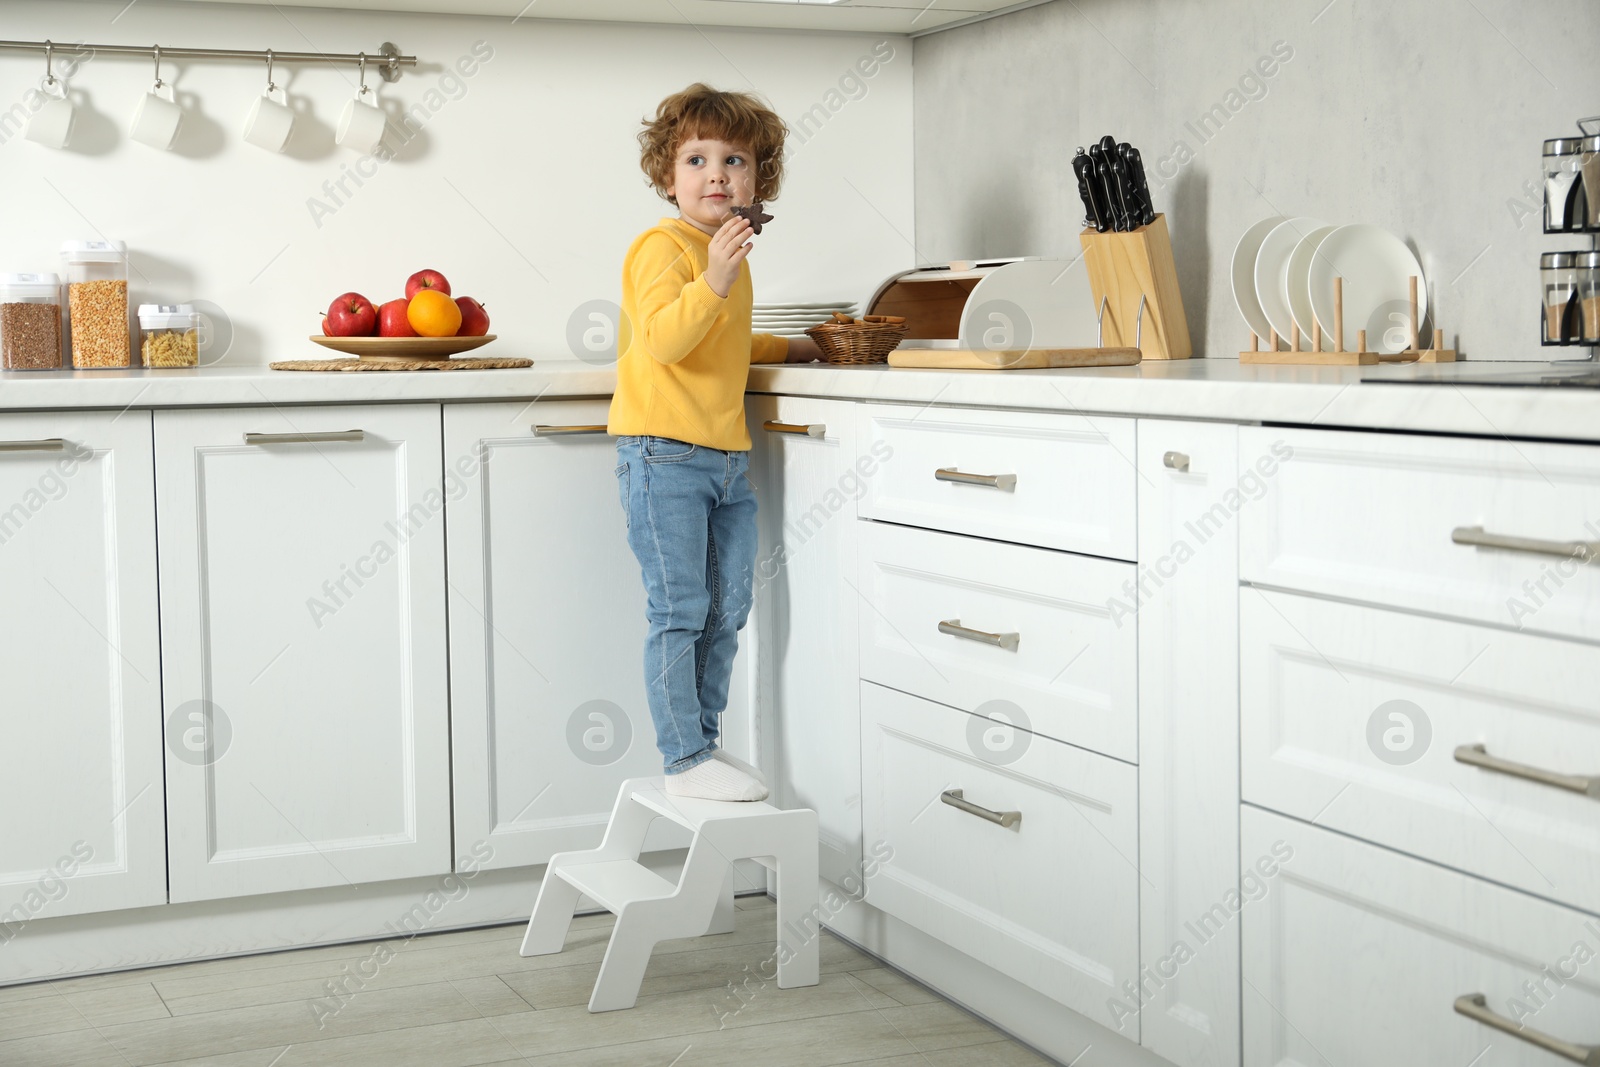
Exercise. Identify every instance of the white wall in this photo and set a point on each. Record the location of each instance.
(1422, 117)
(523, 186)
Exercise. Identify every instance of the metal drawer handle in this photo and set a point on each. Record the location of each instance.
(1475, 1006)
(304, 438)
(1176, 461)
(999, 481)
(810, 429)
(954, 628)
(1478, 756)
(954, 798)
(556, 431)
(48, 444)
(1477, 535)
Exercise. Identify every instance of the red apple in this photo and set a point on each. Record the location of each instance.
(352, 315)
(474, 320)
(325, 332)
(392, 321)
(426, 279)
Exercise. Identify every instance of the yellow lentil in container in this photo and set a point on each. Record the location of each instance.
(99, 314)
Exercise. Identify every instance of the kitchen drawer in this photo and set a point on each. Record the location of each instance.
(1382, 518)
(1353, 716)
(1357, 955)
(1064, 668)
(1060, 481)
(1053, 900)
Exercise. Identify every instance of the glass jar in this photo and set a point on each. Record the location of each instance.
(1587, 267)
(169, 335)
(1562, 316)
(1572, 185)
(30, 322)
(97, 303)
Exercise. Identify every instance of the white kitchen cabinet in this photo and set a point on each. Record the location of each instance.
(303, 646)
(1034, 478)
(1357, 955)
(82, 824)
(1017, 850)
(547, 631)
(1187, 611)
(807, 484)
(1360, 718)
(1010, 631)
(1494, 531)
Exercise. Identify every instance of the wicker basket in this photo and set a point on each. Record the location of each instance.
(859, 342)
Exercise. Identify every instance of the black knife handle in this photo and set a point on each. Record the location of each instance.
(1084, 169)
(1141, 187)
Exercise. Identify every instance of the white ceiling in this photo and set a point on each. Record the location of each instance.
(865, 16)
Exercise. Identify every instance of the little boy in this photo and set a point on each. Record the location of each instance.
(685, 350)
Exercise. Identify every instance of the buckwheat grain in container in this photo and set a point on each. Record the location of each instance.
(30, 322)
(97, 303)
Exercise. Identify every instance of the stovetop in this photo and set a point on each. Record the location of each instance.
(1576, 375)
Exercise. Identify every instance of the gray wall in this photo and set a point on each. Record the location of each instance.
(1423, 117)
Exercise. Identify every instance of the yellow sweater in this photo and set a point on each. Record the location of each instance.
(684, 353)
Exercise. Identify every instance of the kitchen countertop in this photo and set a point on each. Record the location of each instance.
(1218, 389)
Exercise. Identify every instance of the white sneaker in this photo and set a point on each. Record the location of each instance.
(713, 779)
(734, 761)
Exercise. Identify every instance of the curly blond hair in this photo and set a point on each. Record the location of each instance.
(701, 111)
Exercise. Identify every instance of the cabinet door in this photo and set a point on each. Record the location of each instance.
(81, 828)
(303, 636)
(1188, 613)
(547, 631)
(806, 598)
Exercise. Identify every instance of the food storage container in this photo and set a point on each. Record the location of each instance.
(1563, 315)
(30, 322)
(1572, 185)
(169, 335)
(1587, 266)
(97, 303)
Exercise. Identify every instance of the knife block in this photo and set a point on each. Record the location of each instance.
(1123, 267)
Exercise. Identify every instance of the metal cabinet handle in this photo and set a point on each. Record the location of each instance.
(47, 444)
(1478, 536)
(954, 628)
(810, 429)
(1478, 756)
(304, 438)
(1176, 461)
(540, 430)
(998, 481)
(954, 798)
(1475, 1006)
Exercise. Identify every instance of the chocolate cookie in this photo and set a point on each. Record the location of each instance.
(754, 214)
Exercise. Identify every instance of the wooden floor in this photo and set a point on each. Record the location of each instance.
(453, 999)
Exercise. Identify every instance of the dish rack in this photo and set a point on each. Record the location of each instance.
(1338, 357)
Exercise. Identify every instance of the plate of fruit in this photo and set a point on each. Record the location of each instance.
(426, 323)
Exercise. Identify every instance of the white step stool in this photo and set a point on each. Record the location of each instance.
(650, 909)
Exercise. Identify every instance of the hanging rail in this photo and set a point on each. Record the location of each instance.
(387, 59)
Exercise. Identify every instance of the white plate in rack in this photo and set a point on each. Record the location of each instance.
(1244, 276)
(1376, 267)
(1272, 268)
(1298, 281)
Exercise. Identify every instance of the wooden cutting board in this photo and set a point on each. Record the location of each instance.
(1012, 359)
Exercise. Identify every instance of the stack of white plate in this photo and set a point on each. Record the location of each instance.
(1283, 272)
(792, 320)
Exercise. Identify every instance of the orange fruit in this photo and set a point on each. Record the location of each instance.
(433, 314)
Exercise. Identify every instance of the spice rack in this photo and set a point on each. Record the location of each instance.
(1338, 357)
(1133, 278)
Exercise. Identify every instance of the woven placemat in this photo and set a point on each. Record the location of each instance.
(351, 363)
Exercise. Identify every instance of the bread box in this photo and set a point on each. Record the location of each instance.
(1013, 303)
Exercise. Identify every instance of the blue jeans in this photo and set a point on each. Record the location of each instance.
(691, 515)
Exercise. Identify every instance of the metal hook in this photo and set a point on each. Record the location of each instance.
(156, 50)
(364, 90)
(1100, 325)
(49, 75)
(271, 85)
(1138, 333)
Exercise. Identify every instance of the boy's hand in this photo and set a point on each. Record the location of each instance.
(727, 250)
(802, 350)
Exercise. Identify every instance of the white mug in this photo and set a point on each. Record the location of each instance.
(51, 125)
(157, 118)
(361, 126)
(269, 122)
